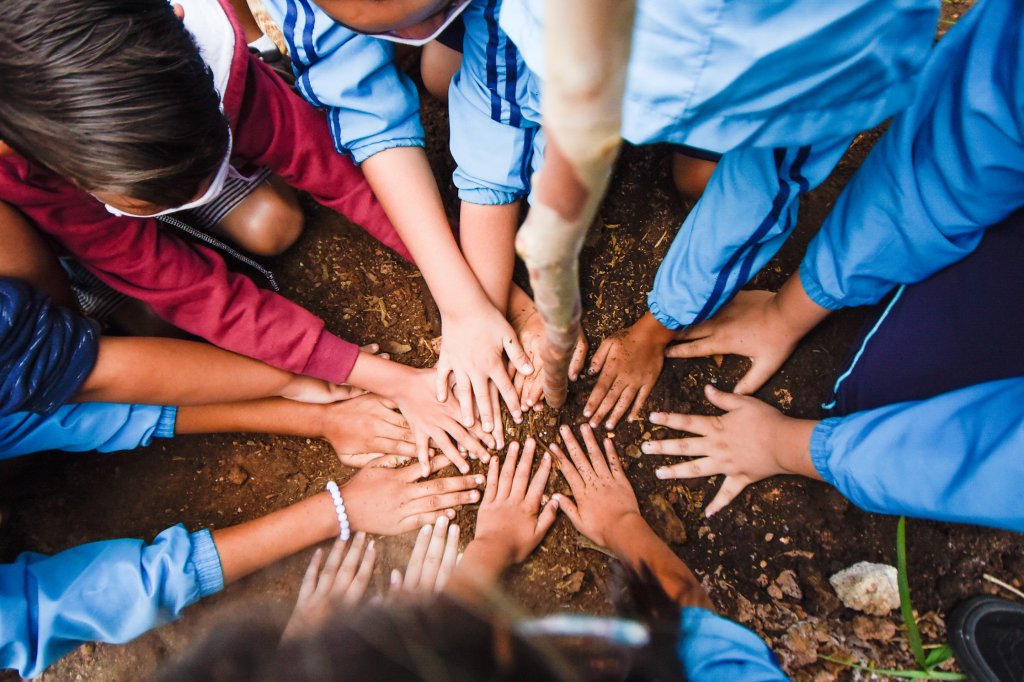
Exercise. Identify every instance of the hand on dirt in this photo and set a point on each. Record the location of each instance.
(512, 521)
(530, 328)
(341, 582)
(471, 352)
(630, 362)
(431, 563)
(603, 499)
(749, 325)
(306, 389)
(365, 428)
(431, 420)
(750, 442)
(386, 500)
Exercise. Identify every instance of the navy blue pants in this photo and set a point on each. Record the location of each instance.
(962, 326)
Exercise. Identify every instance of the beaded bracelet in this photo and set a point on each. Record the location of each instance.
(339, 507)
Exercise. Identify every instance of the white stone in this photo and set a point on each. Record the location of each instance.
(868, 587)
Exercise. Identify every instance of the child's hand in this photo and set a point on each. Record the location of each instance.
(751, 325)
(471, 352)
(752, 441)
(435, 421)
(603, 501)
(431, 563)
(511, 522)
(339, 583)
(363, 429)
(305, 389)
(530, 328)
(630, 362)
(386, 500)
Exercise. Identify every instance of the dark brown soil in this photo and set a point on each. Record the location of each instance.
(369, 295)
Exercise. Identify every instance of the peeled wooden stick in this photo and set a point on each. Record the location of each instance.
(582, 113)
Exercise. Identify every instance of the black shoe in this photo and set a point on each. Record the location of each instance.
(987, 636)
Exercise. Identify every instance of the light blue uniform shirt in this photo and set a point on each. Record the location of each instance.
(371, 105)
(715, 649)
(779, 87)
(109, 591)
(105, 427)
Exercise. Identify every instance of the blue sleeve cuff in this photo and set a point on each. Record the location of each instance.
(488, 197)
(165, 423)
(206, 561)
(814, 290)
(661, 316)
(819, 447)
(365, 151)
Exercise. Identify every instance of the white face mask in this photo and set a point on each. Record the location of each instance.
(450, 15)
(211, 193)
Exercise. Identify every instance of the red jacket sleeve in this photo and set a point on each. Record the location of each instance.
(187, 284)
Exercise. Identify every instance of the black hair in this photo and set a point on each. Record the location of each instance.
(439, 641)
(113, 95)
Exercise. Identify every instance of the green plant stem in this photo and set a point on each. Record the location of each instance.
(906, 609)
(904, 674)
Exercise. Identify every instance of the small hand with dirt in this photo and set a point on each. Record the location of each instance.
(761, 325)
(630, 362)
(365, 428)
(472, 349)
(603, 500)
(386, 500)
(431, 563)
(342, 582)
(431, 420)
(530, 327)
(512, 521)
(750, 442)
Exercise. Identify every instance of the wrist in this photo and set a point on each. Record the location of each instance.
(488, 557)
(795, 456)
(622, 534)
(652, 331)
(795, 310)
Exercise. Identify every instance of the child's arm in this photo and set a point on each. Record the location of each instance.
(927, 458)
(53, 603)
(510, 524)
(176, 372)
(604, 508)
(360, 429)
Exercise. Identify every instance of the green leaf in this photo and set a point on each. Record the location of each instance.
(903, 674)
(906, 609)
(939, 654)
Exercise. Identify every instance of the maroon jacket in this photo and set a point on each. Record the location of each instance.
(188, 284)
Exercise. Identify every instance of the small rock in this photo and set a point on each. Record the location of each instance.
(572, 583)
(762, 580)
(787, 585)
(396, 348)
(671, 526)
(238, 475)
(873, 628)
(633, 451)
(744, 609)
(768, 537)
(800, 644)
(867, 587)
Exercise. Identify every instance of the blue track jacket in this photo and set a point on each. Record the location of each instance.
(109, 591)
(371, 105)
(715, 649)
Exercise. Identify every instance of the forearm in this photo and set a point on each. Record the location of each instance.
(250, 546)
(175, 372)
(404, 184)
(795, 308)
(648, 327)
(487, 235)
(377, 375)
(279, 416)
(640, 548)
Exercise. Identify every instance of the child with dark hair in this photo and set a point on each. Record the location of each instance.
(115, 113)
(472, 632)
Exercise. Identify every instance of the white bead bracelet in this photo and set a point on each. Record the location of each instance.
(339, 507)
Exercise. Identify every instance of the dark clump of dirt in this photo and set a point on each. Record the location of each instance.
(765, 560)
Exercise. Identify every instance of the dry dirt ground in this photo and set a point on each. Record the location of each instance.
(765, 560)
